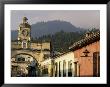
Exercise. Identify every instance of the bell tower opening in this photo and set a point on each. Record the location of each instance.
(24, 44)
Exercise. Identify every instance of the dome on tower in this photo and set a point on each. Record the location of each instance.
(24, 23)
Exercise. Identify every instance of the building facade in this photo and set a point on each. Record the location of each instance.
(87, 52)
(60, 66)
(65, 65)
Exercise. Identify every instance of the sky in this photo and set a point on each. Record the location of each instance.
(80, 18)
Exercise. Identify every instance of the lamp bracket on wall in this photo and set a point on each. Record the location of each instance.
(85, 52)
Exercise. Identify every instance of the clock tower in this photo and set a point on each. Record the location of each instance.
(24, 34)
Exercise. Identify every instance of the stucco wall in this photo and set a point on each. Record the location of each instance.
(40, 46)
(86, 63)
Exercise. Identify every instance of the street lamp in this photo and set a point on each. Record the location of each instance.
(85, 52)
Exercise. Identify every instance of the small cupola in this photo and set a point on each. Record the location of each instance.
(25, 20)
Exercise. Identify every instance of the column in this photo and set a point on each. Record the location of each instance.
(73, 69)
(57, 69)
(49, 70)
(61, 69)
(66, 68)
(78, 69)
(53, 67)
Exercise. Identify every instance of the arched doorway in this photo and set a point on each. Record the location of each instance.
(70, 68)
(24, 65)
(64, 68)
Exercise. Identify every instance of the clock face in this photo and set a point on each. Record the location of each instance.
(25, 33)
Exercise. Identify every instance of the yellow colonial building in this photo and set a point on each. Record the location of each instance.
(24, 51)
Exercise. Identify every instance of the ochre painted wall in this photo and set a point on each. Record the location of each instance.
(86, 63)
